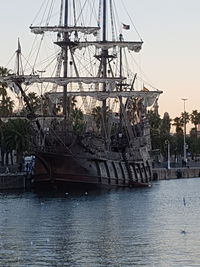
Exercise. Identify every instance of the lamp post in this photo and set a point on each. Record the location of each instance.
(168, 153)
(184, 134)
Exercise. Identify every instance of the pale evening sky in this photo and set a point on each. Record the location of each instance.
(170, 57)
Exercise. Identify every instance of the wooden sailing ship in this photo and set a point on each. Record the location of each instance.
(106, 140)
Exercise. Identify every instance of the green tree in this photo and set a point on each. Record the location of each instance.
(165, 124)
(6, 106)
(185, 117)
(2, 143)
(17, 136)
(178, 123)
(77, 120)
(97, 115)
(35, 103)
(195, 119)
(154, 122)
(6, 103)
(3, 86)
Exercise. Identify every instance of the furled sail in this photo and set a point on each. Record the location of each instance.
(85, 30)
(133, 46)
(61, 81)
(149, 97)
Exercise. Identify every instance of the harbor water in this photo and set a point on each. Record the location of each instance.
(157, 226)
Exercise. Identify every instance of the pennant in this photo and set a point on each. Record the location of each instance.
(145, 89)
(125, 26)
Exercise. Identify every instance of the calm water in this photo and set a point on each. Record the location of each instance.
(141, 227)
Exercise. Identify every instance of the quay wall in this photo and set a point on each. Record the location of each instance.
(174, 173)
(14, 181)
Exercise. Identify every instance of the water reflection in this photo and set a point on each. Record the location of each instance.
(108, 228)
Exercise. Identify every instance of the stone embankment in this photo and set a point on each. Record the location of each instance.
(11, 178)
(13, 181)
(174, 173)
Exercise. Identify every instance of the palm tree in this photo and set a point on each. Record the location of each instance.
(34, 101)
(2, 143)
(6, 103)
(77, 120)
(17, 136)
(178, 123)
(185, 117)
(97, 114)
(165, 124)
(3, 72)
(6, 107)
(195, 119)
(154, 120)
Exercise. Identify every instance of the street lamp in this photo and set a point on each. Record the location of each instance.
(168, 153)
(184, 134)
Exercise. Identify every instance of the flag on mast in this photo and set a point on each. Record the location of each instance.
(145, 89)
(126, 26)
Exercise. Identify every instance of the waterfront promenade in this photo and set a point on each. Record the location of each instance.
(174, 173)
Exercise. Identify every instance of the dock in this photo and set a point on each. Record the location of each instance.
(11, 178)
(174, 173)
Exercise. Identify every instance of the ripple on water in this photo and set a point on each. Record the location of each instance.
(147, 227)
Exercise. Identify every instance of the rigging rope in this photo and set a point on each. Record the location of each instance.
(131, 20)
(143, 73)
(37, 15)
(38, 51)
(44, 14)
(81, 12)
(50, 12)
(118, 20)
(10, 60)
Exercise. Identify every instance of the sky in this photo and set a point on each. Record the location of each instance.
(170, 57)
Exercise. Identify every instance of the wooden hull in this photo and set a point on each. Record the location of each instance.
(64, 169)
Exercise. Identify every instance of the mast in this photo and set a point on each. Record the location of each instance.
(104, 64)
(121, 88)
(104, 20)
(18, 57)
(120, 60)
(19, 70)
(65, 63)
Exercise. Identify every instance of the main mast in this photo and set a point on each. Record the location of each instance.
(104, 64)
(65, 62)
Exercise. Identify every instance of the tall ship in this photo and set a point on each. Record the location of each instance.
(91, 127)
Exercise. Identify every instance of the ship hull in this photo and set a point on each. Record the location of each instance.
(77, 172)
